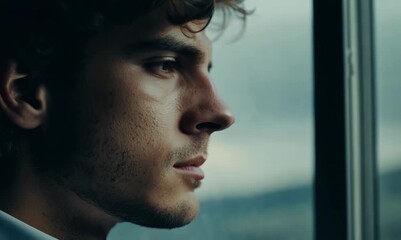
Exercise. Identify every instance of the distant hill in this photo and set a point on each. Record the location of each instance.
(390, 205)
(281, 215)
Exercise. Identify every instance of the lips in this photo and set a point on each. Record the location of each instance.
(191, 168)
(195, 162)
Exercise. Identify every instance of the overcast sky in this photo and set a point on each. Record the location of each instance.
(266, 78)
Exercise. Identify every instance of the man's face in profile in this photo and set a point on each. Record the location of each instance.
(143, 114)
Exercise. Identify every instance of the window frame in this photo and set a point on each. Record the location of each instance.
(330, 198)
(345, 134)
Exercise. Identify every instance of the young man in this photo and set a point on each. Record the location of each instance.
(106, 109)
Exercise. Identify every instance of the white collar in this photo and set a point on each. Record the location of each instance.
(13, 228)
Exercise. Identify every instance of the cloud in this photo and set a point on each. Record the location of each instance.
(279, 156)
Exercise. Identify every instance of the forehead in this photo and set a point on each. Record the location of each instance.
(152, 27)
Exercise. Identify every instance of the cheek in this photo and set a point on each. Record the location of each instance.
(124, 136)
(127, 140)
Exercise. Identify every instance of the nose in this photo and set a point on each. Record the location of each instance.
(207, 114)
(206, 120)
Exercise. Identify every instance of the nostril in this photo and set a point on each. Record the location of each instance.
(208, 125)
(194, 122)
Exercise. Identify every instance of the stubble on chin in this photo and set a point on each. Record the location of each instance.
(175, 216)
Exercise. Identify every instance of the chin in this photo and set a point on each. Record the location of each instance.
(173, 216)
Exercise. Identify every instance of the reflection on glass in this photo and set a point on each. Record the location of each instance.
(388, 59)
(258, 181)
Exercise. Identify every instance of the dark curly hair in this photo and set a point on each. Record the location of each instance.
(42, 36)
(38, 33)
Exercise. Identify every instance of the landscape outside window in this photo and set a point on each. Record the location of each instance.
(388, 73)
(259, 172)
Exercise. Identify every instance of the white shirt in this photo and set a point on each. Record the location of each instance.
(14, 229)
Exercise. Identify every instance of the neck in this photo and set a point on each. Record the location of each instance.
(53, 209)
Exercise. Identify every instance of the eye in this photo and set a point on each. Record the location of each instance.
(164, 68)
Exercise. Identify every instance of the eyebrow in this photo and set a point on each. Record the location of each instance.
(167, 43)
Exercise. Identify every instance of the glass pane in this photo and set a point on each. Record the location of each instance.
(259, 173)
(388, 59)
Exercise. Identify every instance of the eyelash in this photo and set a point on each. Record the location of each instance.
(164, 68)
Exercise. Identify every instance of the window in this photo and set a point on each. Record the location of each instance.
(388, 73)
(356, 83)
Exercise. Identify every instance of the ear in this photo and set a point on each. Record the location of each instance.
(21, 100)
